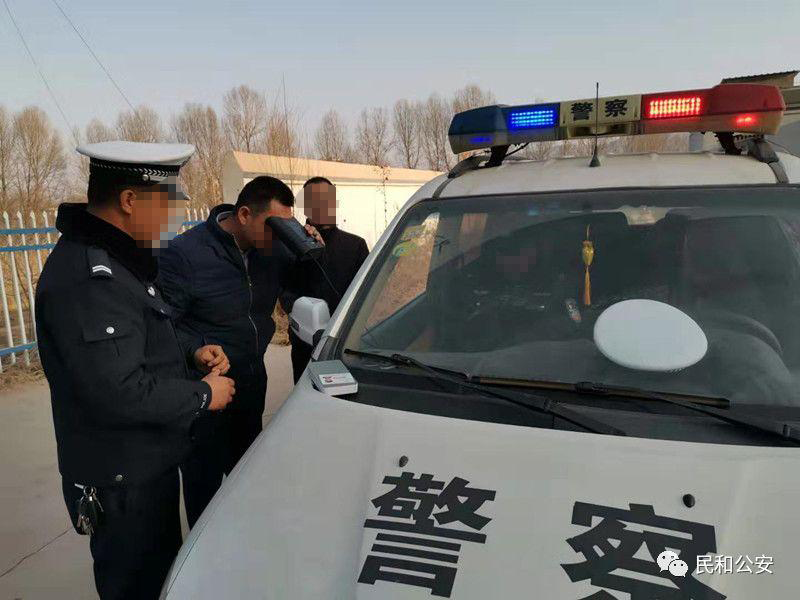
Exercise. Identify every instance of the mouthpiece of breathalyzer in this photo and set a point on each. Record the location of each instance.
(295, 237)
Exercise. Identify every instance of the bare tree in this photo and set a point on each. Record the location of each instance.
(283, 129)
(140, 125)
(435, 120)
(583, 147)
(373, 136)
(406, 119)
(660, 142)
(331, 138)
(199, 125)
(6, 157)
(97, 131)
(245, 119)
(282, 139)
(472, 96)
(40, 164)
(469, 97)
(538, 151)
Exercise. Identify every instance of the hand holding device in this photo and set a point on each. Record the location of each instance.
(295, 237)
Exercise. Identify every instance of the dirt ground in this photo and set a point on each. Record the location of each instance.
(41, 557)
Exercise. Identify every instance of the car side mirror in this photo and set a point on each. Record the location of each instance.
(309, 318)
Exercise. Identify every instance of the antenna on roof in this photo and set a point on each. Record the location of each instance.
(289, 145)
(595, 162)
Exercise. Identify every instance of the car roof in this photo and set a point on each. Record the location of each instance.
(615, 171)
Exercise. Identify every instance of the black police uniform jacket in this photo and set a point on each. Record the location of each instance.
(221, 297)
(123, 403)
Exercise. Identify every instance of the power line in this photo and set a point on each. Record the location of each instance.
(39, 70)
(97, 60)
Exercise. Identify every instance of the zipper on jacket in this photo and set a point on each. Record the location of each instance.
(250, 305)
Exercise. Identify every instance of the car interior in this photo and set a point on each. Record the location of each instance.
(527, 285)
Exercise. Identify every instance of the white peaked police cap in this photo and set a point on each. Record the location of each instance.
(138, 163)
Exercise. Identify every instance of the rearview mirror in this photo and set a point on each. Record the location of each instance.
(309, 317)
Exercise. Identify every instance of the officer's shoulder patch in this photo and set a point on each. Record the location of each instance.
(99, 263)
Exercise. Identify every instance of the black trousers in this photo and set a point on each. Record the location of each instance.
(301, 354)
(137, 539)
(220, 440)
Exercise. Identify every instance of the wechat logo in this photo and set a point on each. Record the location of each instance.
(670, 561)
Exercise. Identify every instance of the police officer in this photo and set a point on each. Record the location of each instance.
(123, 402)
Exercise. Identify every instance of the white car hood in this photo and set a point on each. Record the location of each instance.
(290, 521)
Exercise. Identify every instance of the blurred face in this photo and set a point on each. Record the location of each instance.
(150, 213)
(253, 232)
(319, 200)
(517, 265)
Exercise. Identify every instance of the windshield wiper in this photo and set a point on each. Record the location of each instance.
(524, 400)
(778, 428)
(701, 404)
(599, 389)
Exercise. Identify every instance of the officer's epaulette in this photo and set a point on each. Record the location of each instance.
(99, 263)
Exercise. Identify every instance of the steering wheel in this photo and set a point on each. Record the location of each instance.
(741, 323)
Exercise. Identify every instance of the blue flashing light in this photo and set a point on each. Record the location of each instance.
(533, 117)
(481, 139)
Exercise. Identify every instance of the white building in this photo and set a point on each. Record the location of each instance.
(368, 196)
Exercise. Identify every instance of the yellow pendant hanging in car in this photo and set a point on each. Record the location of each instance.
(588, 256)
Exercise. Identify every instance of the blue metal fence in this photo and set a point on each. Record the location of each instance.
(23, 252)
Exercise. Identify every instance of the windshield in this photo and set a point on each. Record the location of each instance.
(512, 286)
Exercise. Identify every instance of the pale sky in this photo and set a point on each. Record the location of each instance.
(350, 55)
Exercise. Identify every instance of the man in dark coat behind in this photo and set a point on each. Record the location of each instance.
(343, 256)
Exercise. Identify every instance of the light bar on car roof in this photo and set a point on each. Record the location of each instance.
(731, 107)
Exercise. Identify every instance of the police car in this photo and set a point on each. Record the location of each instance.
(559, 379)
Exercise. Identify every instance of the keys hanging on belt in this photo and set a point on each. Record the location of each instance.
(89, 511)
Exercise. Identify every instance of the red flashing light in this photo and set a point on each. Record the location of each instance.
(746, 107)
(745, 120)
(666, 107)
(744, 99)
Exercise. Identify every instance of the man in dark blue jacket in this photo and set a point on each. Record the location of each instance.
(223, 278)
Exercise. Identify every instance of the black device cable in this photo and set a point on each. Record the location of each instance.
(322, 269)
(328, 279)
